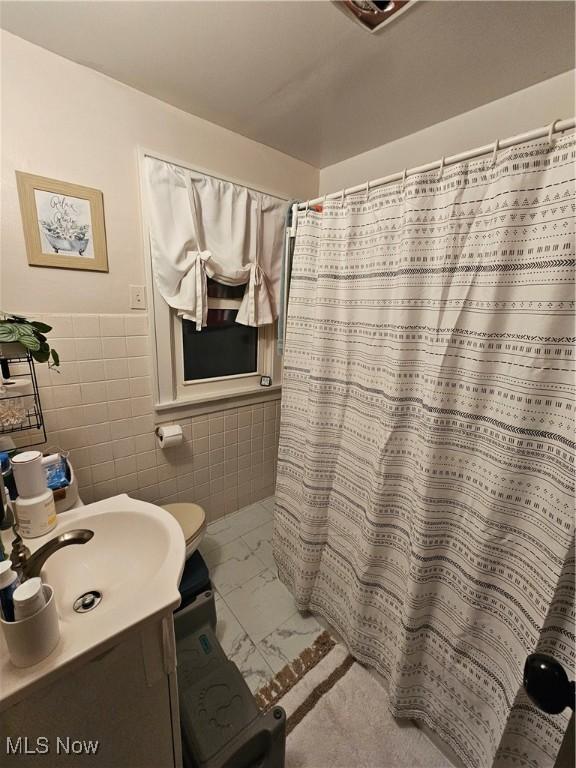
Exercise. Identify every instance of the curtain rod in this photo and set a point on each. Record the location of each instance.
(558, 126)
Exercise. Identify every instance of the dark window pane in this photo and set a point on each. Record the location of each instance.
(219, 291)
(223, 348)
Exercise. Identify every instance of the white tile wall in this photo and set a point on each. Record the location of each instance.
(99, 408)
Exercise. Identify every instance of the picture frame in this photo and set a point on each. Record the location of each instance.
(63, 224)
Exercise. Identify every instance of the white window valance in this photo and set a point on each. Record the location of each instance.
(201, 227)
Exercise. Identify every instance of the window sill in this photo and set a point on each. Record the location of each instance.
(221, 401)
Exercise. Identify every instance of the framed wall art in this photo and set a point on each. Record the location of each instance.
(63, 224)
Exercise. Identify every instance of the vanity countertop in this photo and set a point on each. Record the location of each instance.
(135, 560)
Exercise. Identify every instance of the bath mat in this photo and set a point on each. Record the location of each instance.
(337, 715)
(292, 673)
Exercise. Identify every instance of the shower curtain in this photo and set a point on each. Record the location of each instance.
(425, 492)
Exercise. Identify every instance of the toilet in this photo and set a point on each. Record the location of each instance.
(192, 520)
(197, 606)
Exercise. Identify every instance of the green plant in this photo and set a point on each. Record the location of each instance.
(31, 335)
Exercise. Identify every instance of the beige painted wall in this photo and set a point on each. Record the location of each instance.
(67, 122)
(517, 113)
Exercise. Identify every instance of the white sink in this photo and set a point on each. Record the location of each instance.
(135, 560)
(125, 560)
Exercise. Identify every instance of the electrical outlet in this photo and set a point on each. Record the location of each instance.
(137, 297)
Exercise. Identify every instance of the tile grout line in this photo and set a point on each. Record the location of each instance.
(263, 650)
(248, 635)
(255, 643)
(240, 535)
(252, 638)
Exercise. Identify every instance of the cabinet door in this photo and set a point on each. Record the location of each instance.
(113, 712)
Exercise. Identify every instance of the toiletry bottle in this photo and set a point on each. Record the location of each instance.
(37, 515)
(6, 513)
(28, 598)
(29, 473)
(2, 521)
(8, 584)
(8, 475)
(6, 516)
(35, 508)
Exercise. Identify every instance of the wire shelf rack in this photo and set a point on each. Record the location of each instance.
(20, 407)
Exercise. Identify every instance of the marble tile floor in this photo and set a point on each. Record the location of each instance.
(258, 624)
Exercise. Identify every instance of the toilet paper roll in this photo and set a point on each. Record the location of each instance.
(169, 435)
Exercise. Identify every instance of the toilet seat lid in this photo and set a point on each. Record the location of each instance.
(191, 518)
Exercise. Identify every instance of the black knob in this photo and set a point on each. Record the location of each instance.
(547, 684)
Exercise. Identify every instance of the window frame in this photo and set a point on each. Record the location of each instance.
(239, 381)
(170, 390)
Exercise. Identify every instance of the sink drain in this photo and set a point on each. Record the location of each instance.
(88, 601)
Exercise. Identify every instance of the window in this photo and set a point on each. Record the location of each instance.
(223, 347)
(224, 359)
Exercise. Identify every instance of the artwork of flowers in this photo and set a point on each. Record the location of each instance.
(63, 224)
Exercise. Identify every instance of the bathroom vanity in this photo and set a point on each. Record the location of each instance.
(107, 695)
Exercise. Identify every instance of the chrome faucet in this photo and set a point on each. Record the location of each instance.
(27, 566)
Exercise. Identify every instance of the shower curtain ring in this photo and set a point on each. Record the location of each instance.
(441, 170)
(495, 153)
(306, 209)
(551, 128)
(367, 192)
(342, 199)
(404, 174)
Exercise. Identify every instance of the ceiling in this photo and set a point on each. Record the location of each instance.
(302, 77)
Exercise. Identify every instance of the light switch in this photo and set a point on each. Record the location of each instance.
(137, 297)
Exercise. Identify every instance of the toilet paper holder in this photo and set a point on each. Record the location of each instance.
(169, 435)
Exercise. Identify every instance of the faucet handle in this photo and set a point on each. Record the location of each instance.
(20, 552)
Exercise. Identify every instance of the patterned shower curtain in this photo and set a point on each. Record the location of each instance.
(425, 493)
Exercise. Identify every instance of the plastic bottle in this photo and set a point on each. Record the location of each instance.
(9, 582)
(35, 508)
(7, 475)
(36, 516)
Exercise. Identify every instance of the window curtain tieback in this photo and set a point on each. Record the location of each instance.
(257, 278)
(201, 313)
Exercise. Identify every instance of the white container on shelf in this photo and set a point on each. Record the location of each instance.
(31, 640)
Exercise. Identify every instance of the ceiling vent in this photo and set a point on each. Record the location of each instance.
(373, 14)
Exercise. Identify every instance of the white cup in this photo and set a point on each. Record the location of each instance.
(28, 599)
(31, 640)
